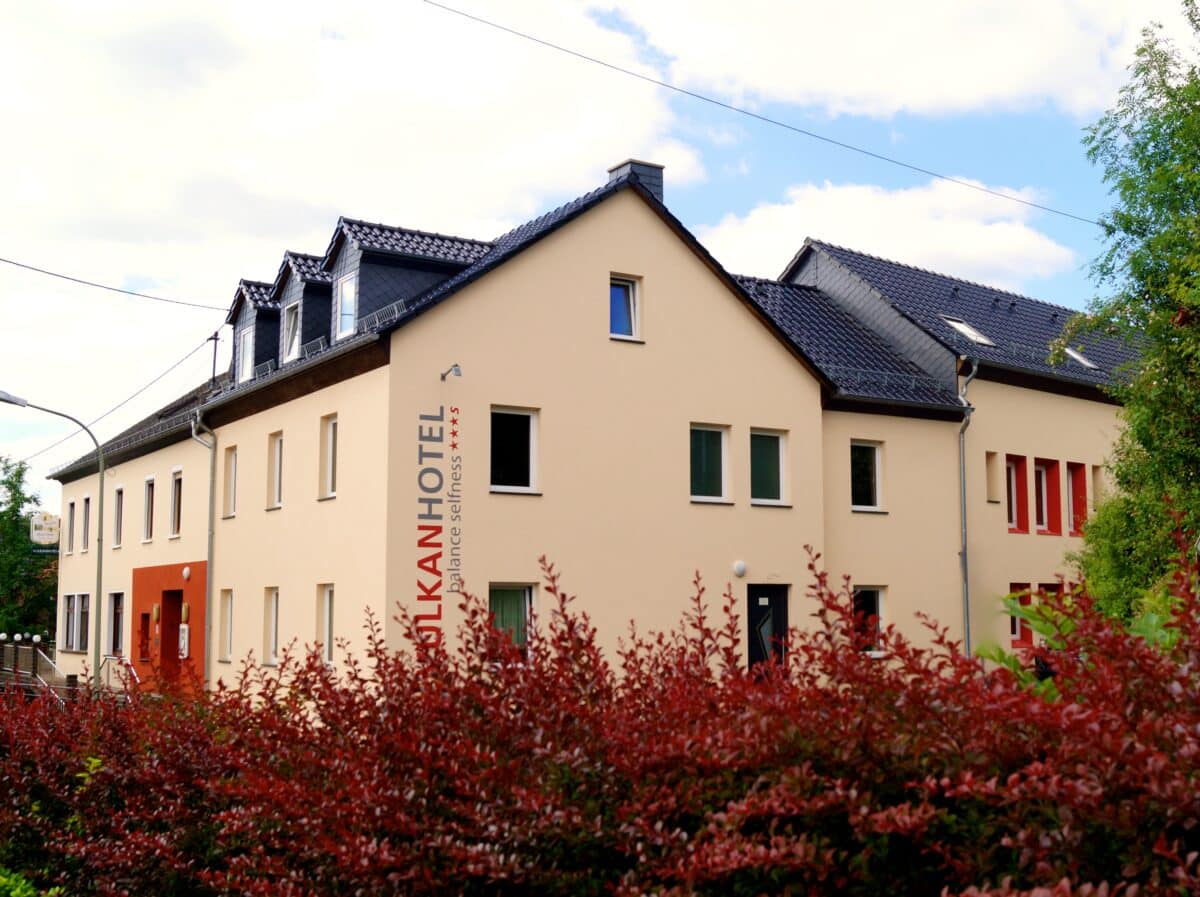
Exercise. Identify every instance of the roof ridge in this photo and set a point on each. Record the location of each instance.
(974, 283)
(344, 219)
(583, 198)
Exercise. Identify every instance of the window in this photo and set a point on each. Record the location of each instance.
(271, 626)
(1047, 497)
(1080, 357)
(766, 467)
(708, 463)
(325, 620)
(514, 450)
(118, 516)
(347, 305)
(1077, 501)
(69, 624)
(509, 607)
(1017, 493)
(229, 496)
(866, 616)
(70, 526)
(245, 355)
(225, 645)
(116, 623)
(864, 476)
(327, 487)
(968, 331)
(1019, 630)
(176, 502)
(623, 308)
(275, 470)
(291, 332)
(148, 512)
(87, 524)
(81, 623)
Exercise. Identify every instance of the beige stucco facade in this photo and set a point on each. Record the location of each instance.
(414, 517)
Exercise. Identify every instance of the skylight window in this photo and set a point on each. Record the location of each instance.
(968, 331)
(1081, 358)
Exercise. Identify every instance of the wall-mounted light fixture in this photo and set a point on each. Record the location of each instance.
(739, 569)
(453, 369)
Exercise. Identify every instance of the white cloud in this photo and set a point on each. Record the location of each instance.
(938, 225)
(923, 56)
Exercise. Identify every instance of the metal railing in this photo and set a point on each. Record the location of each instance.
(118, 674)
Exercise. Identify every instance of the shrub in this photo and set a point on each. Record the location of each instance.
(668, 769)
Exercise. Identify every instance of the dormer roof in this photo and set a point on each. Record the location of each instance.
(256, 292)
(404, 242)
(301, 265)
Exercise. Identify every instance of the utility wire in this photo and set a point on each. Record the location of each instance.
(102, 286)
(763, 118)
(120, 404)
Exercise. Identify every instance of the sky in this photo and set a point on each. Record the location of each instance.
(173, 148)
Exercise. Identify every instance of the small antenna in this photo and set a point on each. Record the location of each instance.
(214, 339)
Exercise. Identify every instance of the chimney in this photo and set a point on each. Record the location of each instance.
(649, 175)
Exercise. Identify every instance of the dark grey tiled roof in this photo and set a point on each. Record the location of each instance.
(413, 243)
(1021, 328)
(258, 292)
(856, 361)
(307, 267)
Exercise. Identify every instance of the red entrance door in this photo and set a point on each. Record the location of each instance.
(172, 613)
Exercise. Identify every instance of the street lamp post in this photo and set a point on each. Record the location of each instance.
(10, 399)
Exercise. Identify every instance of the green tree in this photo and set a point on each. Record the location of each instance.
(1148, 147)
(28, 581)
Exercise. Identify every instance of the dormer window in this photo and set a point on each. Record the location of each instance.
(245, 355)
(291, 332)
(1081, 358)
(968, 331)
(347, 305)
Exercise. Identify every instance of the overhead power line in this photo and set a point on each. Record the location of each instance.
(103, 286)
(759, 117)
(120, 404)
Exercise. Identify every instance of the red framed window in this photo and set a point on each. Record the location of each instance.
(1077, 498)
(1017, 492)
(1019, 630)
(1047, 497)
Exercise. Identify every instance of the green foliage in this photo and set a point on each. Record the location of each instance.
(1147, 146)
(28, 581)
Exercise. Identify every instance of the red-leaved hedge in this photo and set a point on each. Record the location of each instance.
(669, 769)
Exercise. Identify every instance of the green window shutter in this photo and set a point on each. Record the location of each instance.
(764, 467)
(509, 609)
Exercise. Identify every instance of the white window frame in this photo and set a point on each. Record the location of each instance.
(339, 293)
(325, 633)
(635, 307)
(271, 626)
(70, 527)
(148, 500)
(81, 624)
(1081, 358)
(1012, 497)
(175, 524)
(968, 331)
(69, 622)
(291, 347)
(1041, 478)
(781, 437)
(115, 631)
(328, 456)
(880, 600)
(723, 498)
(275, 468)
(225, 644)
(85, 525)
(533, 415)
(246, 355)
(530, 594)
(229, 485)
(118, 516)
(878, 449)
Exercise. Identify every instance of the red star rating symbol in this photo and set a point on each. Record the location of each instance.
(454, 434)
(454, 445)
(454, 421)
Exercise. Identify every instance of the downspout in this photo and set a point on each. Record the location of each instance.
(962, 502)
(198, 425)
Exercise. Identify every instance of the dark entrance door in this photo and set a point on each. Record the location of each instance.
(767, 620)
(172, 612)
